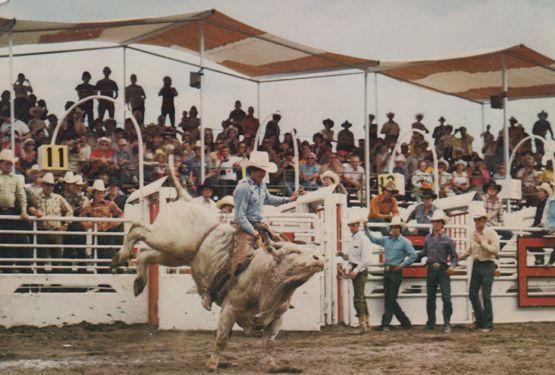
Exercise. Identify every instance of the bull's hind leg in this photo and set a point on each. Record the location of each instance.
(148, 257)
(225, 324)
(138, 232)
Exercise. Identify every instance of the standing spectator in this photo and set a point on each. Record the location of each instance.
(418, 123)
(398, 253)
(250, 125)
(168, 94)
(106, 87)
(84, 90)
(464, 142)
(5, 101)
(439, 249)
(445, 146)
(237, 115)
(484, 247)
(345, 137)
(488, 149)
(391, 129)
(439, 131)
(100, 207)
(495, 210)
(310, 172)
(48, 203)
(540, 128)
(135, 98)
(13, 201)
(327, 133)
(272, 127)
(77, 200)
(192, 125)
(205, 198)
(22, 88)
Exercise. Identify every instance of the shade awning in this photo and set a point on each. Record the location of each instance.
(228, 42)
(478, 77)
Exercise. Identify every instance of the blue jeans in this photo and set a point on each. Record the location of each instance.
(482, 278)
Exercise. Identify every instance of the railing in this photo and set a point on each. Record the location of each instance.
(79, 249)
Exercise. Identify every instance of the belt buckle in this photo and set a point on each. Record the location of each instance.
(387, 268)
(436, 266)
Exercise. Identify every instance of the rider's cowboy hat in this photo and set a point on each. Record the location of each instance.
(261, 160)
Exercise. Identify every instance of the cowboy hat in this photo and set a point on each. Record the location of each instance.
(98, 185)
(331, 175)
(390, 114)
(38, 110)
(441, 119)
(261, 160)
(78, 180)
(346, 125)
(419, 115)
(428, 193)
(227, 200)
(512, 119)
(542, 114)
(329, 122)
(479, 213)
(48, 179)
(104, 139)
(396, 221)
(547, 188)
(68, 177)
(492, 184)
(390, 186)
(356, 215)
(439, 215)
(444, 162)
(460, 161)
(7, 155)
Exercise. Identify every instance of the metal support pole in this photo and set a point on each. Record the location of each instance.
(202, 146)
(376, 96)
(258, 99)
(12, 92)
(122, 93)
(483, 119)
(505, 127)
(366, 142)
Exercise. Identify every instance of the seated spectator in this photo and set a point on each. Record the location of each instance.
(460, 181)
(384, 206)
(161, 168)
(36, 123)
(529, 177)
(421, 179)
(102, 159)
(115, 195)
(285, 175)
(228, 167)
(382, 159)
(445, 179)
(479, 177)
(47, 203)
(100, 207)
(310, 172)
(423, 212)
(501, 173)
(353, 174)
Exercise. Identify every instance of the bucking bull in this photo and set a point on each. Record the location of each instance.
(184, 234)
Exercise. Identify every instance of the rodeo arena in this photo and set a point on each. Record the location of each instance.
(166, 246)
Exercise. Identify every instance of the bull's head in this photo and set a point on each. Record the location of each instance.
(297, 263)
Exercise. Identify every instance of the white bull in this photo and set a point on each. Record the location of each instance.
(185, 234)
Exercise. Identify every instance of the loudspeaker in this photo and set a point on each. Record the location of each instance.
(194, 79)
(496, 101)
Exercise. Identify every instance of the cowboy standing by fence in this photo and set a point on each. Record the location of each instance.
(484, 247)
(398, 253)
(358, 256)
(439, 249)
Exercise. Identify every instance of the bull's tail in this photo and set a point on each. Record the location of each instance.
(181, 192)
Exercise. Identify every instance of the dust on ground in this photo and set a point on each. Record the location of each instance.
(140, 349)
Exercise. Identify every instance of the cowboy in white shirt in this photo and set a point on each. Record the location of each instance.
(205, 198)
(358, 255)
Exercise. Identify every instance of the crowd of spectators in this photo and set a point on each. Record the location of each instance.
(104, 152)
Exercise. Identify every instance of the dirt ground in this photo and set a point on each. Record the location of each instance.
(140, 349)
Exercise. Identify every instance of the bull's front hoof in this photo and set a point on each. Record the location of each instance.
(139, 286)
(212, 364)
(114, 264)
